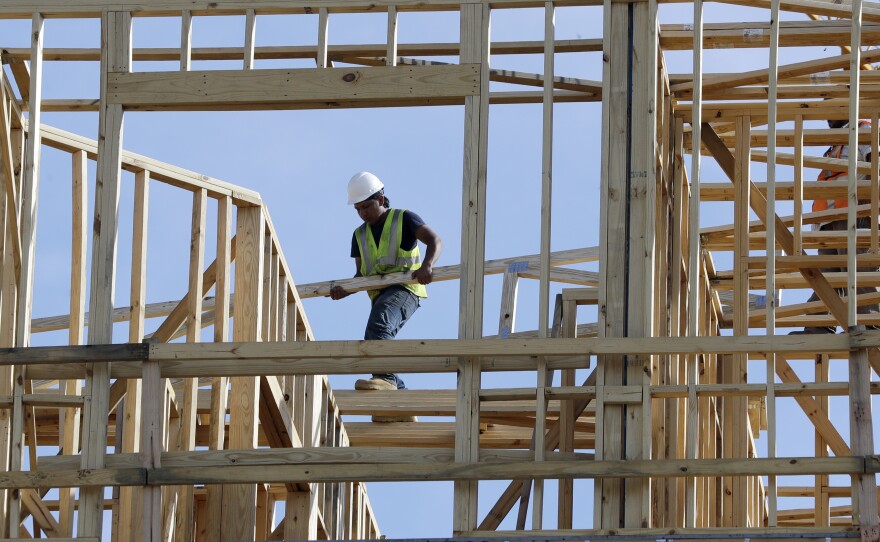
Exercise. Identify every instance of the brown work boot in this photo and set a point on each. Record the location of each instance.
(393, 419)
(374, 384)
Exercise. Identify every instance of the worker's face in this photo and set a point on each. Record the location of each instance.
(371, 210)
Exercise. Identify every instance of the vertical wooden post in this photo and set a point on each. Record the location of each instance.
(474, 50)
(544, 282)
(694, 266)
(131, 526)
(323, 24)
(735, 415)
(219, 385)
(642, 245)
(185, 517)
(628, 201)
(31, 185)
(540, 441)
(29, 196)
(852, 170)
(509, 288)
(568, 329)
(770, 290)
(153, 418)
(678, 315)
(185, 40)
(864, 486)
(546, 170)
(875, 184)
(238, 520)
(612, 267)
(820, 486)
(8, 306)
(301, 518)
(798, 185)
(115, 57)
(71, 416)
(391, 52)
(250, 35)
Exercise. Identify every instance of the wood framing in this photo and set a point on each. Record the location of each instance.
(688, 284)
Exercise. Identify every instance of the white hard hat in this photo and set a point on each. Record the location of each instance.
(363, 185)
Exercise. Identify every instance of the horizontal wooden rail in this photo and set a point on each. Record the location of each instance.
(262, 472)
(437, 355)
(291, 351)
(25, 9)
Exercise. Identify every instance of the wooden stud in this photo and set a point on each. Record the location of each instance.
(770, 290)
(875, 184)
(185, 517)
(238, 521)
(820, 495)
(186, 40)
(855, 58)
(323, 24)
(219, 385)
(250, 36)
(29, 194)
(735, 409)
(116, 57)
(152, 431)
(567, 419)
(391, 53)
(546, 168)
(639, 312)
(507, 318)
(797, 229)
(864, 486)
(474, 49)
(131, 525)
(612, 286)
(71, 416)
(31, 184)
(540, 441)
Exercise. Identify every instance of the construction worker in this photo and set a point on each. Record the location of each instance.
(387, 243)
(841, 152)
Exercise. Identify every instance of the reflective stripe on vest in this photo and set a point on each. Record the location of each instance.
(387, 256)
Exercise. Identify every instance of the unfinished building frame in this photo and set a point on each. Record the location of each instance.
(211, 438)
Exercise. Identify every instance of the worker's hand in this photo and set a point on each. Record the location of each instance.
(337, 292)
(424, 274)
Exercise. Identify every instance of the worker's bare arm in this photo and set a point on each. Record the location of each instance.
(337, 292)
(434, 245)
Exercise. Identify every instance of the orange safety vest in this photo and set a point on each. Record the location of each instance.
(827, 175)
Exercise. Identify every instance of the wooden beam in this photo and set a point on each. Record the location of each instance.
(789, 70)
(238, 521)
(116, 34)
(864, 486)
(185, 513)
(474, 35)
(283, 89)
(523, 264)
(219, 385)
(131, 503)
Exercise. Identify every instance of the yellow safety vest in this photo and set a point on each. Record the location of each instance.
(388, 257)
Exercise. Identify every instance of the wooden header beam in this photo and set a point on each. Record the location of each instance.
(294, 89)
(24, 9)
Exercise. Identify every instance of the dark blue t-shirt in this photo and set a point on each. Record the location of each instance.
(411, 222)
